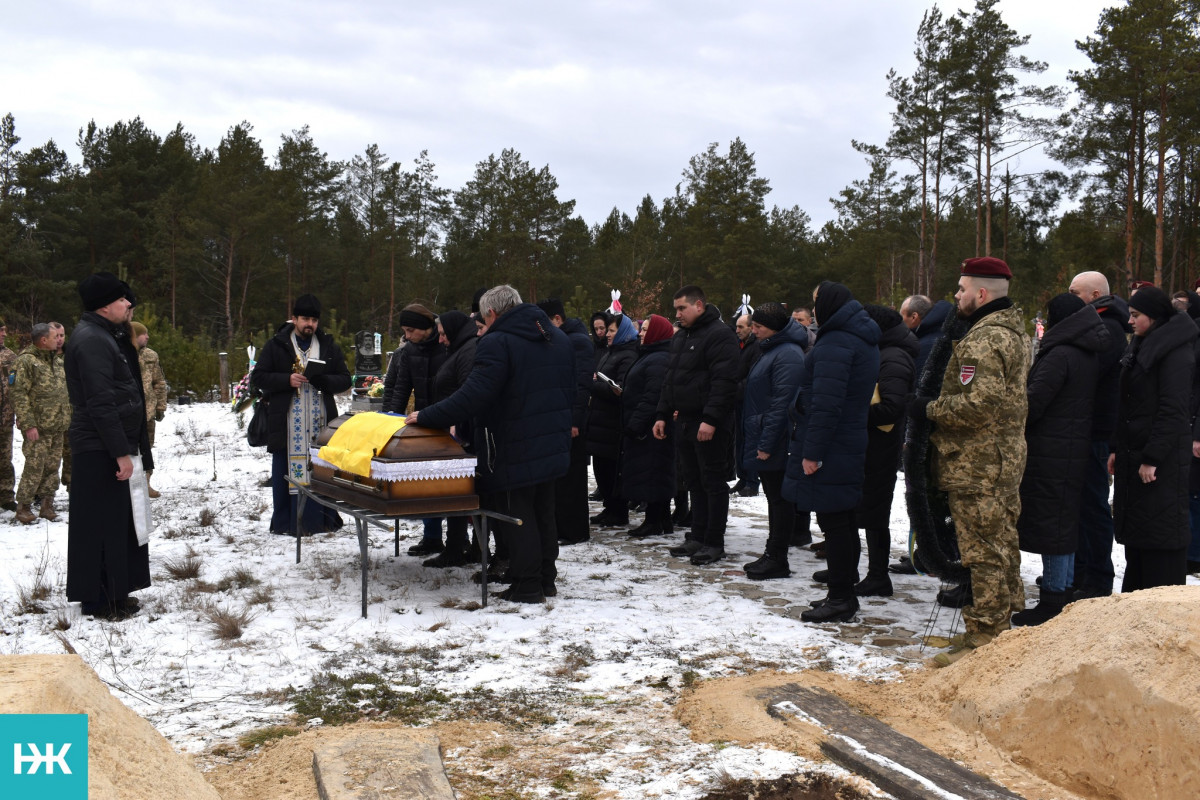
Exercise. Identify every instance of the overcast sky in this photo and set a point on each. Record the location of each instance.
(614, 96)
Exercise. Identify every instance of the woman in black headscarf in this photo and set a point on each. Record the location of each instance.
(458, 334)
(1152, 446)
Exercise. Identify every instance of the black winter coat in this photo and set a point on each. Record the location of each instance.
(585, 366)
(1115, 314)
(604, 407)
(929, 331)
(104, 385)
(1154, 427)
(519, 396)
(411, 372)
(701, 381)
(831, 428)
(272, 376)
(898, 349)
(1058, 432)
(647, 464)
(453, 374)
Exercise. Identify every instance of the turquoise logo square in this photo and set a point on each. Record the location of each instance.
(44, 756)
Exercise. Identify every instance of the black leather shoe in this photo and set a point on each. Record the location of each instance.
(595, 495)
(510, 594)
(567, 542)
(450, 557)
(426, 548)
(903, 567)
(770, 569)
(821, 576)
(801, 539)
(832, 610)
(686, 550)
(707, 555)
(956, 596)
(647, 529)
(874, 587)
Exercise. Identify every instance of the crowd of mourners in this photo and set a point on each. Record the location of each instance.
(1022, 441)
(811, 405)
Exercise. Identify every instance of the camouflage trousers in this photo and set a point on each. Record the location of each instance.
(40, 476)
(8, 476)
(986, 526)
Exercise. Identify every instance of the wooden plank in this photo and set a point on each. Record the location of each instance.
(897, 764)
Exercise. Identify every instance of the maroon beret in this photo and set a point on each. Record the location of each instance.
(1135, 285)
(1196, 285)
(986, 267)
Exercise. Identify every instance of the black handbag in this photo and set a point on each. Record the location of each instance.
(256, 429)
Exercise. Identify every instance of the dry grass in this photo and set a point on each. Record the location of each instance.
(240, 578)
(207, 517)
(186, 568)
(228, 625)
(32, 593)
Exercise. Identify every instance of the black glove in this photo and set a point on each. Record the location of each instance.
(917, 408)
(158, 415)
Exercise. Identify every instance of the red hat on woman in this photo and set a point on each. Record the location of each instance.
(660, 328)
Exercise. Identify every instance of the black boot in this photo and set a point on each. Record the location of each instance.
(768, 567)
(801, 535)
(877, 583)
(1049, 606)
(651, 528)
(874, 586)
(956, 596)
(833, 609)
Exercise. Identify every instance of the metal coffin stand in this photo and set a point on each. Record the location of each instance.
(348, 502)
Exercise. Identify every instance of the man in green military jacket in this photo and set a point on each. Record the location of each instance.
(978, 444)
(43, 412)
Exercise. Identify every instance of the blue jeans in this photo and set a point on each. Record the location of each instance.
(1193, 551)
(1056, 572)
(1093, 558)
(433, 529)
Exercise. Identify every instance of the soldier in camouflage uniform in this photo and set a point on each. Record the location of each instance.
(39, 396)
(979, 448)
(154, 385)
(8, 478)
(60, 340)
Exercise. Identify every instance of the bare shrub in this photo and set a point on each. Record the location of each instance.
(207, 517)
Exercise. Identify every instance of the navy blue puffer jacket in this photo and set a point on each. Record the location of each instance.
(770, 389)
(831, 427)
(519, 394)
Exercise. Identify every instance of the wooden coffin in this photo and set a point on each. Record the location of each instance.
(410, 456)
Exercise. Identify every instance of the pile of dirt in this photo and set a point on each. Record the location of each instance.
(1101, 702)
(126, 756)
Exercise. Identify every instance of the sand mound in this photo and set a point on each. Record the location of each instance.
(126, 756)
(1101, 702)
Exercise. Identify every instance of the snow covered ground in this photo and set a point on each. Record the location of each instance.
(629, 627)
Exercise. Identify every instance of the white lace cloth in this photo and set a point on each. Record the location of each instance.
(412, 470)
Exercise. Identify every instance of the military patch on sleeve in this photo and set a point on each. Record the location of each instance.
(966, 374)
